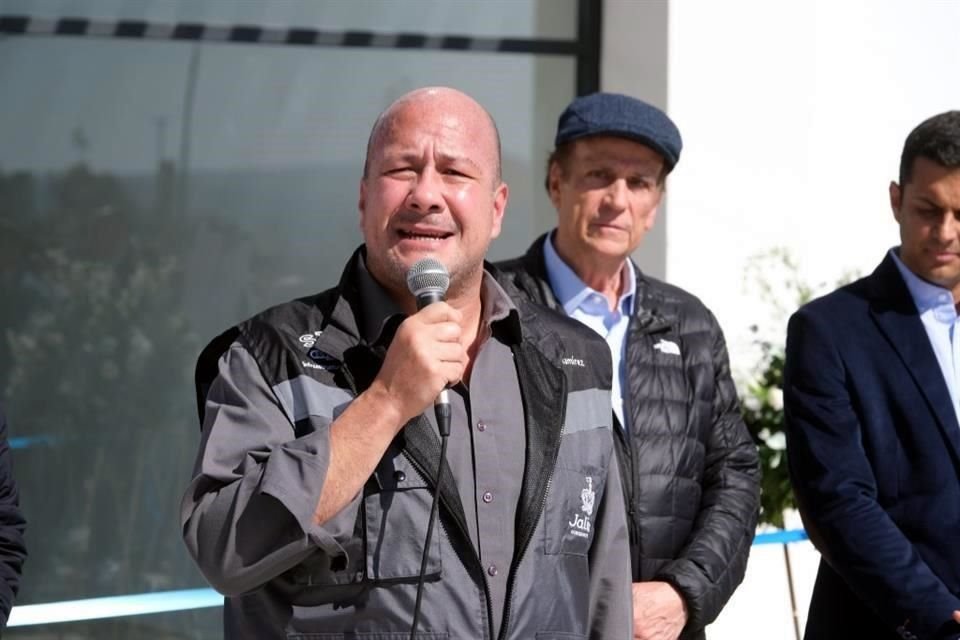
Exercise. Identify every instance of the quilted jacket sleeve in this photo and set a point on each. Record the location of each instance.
(713, 562)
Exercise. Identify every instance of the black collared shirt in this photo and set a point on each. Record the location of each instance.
(486, 450)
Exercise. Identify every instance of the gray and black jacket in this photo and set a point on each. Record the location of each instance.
(268, 391)
(690, 468)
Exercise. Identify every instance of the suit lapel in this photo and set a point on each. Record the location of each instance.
(895, 313)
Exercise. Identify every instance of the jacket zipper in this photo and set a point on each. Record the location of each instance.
(630, 473)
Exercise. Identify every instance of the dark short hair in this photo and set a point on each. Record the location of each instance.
(937, 139)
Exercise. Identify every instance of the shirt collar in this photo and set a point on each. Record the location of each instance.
(380, 314)
(571, 291)
(499, 312)
(926, 296)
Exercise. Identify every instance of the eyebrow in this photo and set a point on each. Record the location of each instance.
(927, 201)
(442, 158)
(445, 158)
(606, 160)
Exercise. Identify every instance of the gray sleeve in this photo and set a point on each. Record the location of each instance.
(247, 515)
(611, 599)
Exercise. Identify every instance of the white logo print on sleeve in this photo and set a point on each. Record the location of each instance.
(580, 524)
(318, 359)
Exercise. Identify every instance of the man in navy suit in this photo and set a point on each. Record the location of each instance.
(872, 401)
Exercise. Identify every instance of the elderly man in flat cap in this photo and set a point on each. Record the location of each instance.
(690, 468)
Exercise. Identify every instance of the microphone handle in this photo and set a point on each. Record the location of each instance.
(442, 412)
(428, 297)
(441, 406)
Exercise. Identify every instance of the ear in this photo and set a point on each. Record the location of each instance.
(652, 216)
(896, 199)
(500, 196)
(554, 178)
(362, 202)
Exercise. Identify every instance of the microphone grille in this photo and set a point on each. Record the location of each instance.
(428, 274)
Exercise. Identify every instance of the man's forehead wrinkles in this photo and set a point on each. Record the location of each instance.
(621, 161)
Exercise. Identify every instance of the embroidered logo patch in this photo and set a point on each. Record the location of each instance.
(309, 339)
(667, 347)
(580, 524)
(320, 360)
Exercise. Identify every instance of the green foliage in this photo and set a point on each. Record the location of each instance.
(762, 405)
(775, 276)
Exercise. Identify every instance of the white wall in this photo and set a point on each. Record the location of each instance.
(793, 115)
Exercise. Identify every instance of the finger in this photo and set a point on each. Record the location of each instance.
(439, 312)
(956, 616)
(443, 356)
(446, 332)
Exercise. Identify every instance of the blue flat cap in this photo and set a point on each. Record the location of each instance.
(614, 114)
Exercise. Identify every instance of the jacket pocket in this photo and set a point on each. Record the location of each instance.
(396, 511)
(571, 507)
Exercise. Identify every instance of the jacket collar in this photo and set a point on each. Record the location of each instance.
(650, 313)
(366, 311)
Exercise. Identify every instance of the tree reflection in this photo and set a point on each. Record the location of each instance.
(97, 358)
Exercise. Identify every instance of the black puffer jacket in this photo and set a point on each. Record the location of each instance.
(691, 474)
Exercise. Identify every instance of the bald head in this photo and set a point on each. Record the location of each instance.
(432, 101)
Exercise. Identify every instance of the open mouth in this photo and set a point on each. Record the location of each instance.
(426, 236)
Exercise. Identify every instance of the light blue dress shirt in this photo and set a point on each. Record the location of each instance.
(590, 307)
(939, 316)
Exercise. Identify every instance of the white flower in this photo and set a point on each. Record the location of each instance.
(775, 398)
(777, 441)
(752, 402)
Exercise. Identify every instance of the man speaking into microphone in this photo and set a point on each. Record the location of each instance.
(320, 456)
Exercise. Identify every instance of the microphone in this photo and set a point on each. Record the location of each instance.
(428, 281)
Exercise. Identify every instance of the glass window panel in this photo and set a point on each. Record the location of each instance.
(112, 278)
(487, 18)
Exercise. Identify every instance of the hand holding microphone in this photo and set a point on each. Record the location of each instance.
(426, 353)
(428, 281)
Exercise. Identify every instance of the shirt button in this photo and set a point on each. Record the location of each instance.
(481, 426)
(487, 497)
(492, 570)
(399, 475)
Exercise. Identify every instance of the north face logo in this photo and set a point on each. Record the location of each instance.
(667, 347)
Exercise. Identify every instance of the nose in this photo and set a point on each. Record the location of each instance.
(425, 195)
(947, 230)
(617, 196)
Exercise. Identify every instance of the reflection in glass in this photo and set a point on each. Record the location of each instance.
(129, 238)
